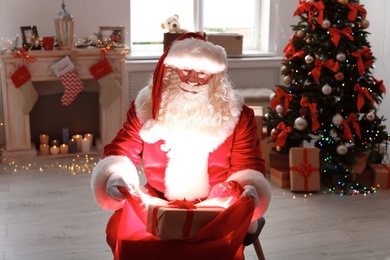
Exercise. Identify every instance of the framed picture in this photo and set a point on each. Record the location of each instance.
(114, 35)
(30, 38)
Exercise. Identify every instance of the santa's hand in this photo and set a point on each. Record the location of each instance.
(250, 191)
(115, 181)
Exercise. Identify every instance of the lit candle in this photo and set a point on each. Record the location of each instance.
(90, 138)
(55, 142)
(64, 149)
(78, 139)
(44, 149)
(72, 146)
(54, 150)
(44, 139)
(85, 145)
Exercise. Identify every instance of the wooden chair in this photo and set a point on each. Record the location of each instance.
(256, 244)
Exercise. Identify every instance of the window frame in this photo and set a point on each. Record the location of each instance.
(265, 33)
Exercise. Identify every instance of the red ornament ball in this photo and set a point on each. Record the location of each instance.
(339, 76)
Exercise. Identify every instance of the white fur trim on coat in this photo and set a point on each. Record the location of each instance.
(103, 170)
(256, 179)
(196, 54)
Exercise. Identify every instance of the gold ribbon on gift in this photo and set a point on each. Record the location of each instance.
(362, 92)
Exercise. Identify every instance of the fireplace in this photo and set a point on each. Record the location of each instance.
(21, 130)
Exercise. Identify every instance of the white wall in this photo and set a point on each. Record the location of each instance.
(88, 15)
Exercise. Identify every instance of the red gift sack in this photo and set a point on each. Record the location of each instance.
(220, 239)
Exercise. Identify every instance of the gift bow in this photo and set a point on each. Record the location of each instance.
(279, 93)
(353, 10)
(297, 54)
(316, 72)
(182, 204)
(336, 34)
(281, 135)
(313, 108)
(361, 93)
(366, 53)
(347, 130)
(380, 84)
(22, 54)
(305, 169)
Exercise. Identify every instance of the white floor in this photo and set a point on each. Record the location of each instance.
(47, 212)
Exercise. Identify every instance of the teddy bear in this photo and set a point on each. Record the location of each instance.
(172, 24)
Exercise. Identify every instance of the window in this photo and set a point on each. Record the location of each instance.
(249, 18)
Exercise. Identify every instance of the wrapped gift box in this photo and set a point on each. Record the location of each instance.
(366, 178)
(304, 169)
(280, 177)
(174, 223)
(361, 163)
(381, 175)
(231, 42)
(278, 160)
(266, 147)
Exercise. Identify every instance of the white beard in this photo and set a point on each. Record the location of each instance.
(192, 128)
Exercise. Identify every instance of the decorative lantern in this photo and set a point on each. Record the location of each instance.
(64, 29)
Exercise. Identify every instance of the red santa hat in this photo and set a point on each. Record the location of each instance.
(190, 51)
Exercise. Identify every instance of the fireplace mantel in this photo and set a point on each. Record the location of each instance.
(17, 124)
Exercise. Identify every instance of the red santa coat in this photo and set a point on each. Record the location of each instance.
(183, 166)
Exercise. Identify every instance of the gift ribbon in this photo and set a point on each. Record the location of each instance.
(313, 108)
(279, 94)
(366, 53)
(336, 34)
(330, 64)
(22, 54)
(380, 84)
(305, 169)
(282, 134)
(361, 93)
(347, 131)
(353, 10)
(297, 54)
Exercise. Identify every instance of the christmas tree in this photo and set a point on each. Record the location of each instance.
(329, 97)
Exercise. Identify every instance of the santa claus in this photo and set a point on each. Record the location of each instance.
(190, 130)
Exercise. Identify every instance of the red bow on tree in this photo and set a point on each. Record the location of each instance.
(336, 34)
(330, 64)
(380, 84)
(347, 131)
(361, 93)
(366, 53)
(282, 134)
(353, 10)
(317, 7)
(279, 94)
(313, 108)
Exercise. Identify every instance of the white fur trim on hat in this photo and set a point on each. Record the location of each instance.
(196, 54)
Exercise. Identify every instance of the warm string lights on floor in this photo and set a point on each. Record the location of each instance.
(80, 164)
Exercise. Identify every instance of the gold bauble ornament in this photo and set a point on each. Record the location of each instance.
(278, 148)
(343, 2)
(308, 40)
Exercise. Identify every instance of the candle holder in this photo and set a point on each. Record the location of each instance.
(64, 25)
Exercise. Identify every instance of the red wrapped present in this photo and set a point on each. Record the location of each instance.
(170, 222)
(304, 169)
(381, 175)
(280, 177)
